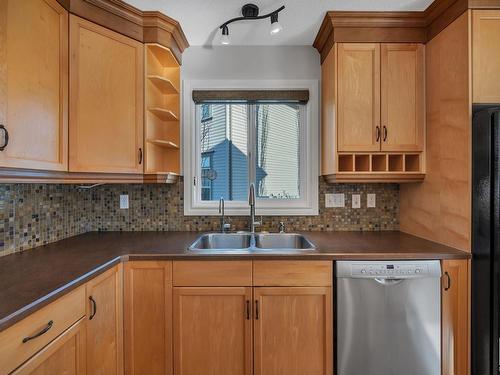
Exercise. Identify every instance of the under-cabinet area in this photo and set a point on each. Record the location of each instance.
(205, 316)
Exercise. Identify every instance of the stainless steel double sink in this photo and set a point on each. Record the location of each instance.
(226, 242)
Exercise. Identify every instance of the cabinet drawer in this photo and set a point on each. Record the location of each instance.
(292, 273)
(212, 273)
(62, 313)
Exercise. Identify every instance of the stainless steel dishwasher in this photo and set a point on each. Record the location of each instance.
(388, 318)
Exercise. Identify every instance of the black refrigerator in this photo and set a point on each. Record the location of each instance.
(485, 239)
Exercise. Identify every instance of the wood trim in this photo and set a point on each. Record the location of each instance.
(143, 26)
(395, 27)
(15, 175)
(371, 177)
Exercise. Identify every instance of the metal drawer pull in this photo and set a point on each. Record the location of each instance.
(5, 137)
(248, 309)
(448, 284)
(377, 132)
(385, 133)
(49, 326)
(94, 308)
(257, 309)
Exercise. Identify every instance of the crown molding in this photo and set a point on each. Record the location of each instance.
(395, 27)
(143, 26)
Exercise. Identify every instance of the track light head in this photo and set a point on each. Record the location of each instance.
(225, 36)
(275, 25)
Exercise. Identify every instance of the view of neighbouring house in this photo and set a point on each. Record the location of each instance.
(226, 169)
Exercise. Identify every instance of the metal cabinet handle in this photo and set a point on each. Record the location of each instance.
(5, 137)
(448, 278)
(377, 132)
(44, 330)
(385, 133)
(248, 309)
(94, 308)
(140, 155)
(256, 309)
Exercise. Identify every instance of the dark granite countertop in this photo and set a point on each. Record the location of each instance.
(33, 278)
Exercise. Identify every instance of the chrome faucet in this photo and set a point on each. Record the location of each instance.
(223, 225)
(251, 202)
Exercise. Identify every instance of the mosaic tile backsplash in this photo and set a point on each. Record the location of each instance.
(33, 215)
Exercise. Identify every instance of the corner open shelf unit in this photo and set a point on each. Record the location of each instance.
(162, 115)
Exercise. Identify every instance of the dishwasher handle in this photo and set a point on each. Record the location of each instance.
(388, 282)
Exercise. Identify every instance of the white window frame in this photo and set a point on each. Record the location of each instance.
(307, 204)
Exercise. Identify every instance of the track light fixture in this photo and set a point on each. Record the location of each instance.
(251, 12)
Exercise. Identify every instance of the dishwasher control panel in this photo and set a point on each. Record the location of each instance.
(395, 270)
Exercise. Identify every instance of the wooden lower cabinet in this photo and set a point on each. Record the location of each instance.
(293, 330)
(212, 331)
(455, 317)
(148, 318)
(65, 355)
(105, 323)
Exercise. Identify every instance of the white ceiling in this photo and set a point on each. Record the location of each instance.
(301, 19)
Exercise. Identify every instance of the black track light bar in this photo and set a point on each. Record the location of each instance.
(273, 15)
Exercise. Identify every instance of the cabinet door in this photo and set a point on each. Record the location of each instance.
(486, 56)
(64, 355)
(148, 318)
(212, 331)
(293, 331)
(402, 92)
(34, 84)
(105, 323)
(455, 317)
(358, 93)
(106, 100)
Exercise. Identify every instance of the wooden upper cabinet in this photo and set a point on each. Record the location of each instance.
(486, 56)
(106, 100)
(34, 84)
(293, 330)
(358, 96)
(105, 323)
(402, 97)
(455, 317)
(148, 318)
(213, 330)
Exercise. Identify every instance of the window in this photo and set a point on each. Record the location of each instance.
(272, 144)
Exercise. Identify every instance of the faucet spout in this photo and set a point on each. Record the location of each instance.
(251, 202)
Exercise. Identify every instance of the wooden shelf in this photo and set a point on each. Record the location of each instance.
(164, 84)
(163, 143)
(163, 114)
(164, 55)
